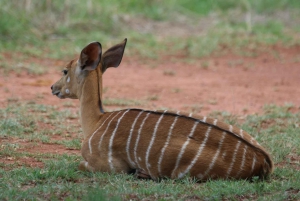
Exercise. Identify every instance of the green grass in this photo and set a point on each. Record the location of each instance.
(24, 121)
(60, 29)
(277, 129)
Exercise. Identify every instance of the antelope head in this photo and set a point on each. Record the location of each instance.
(91, 63)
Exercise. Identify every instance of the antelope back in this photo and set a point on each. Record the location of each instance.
(166, 144)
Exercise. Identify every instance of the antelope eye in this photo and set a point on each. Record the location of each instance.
(65, 72)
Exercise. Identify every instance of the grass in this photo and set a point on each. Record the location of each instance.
(15, 121)
(55, 29)
(277, 129)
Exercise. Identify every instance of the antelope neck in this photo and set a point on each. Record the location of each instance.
(90, 103)
(99, 81)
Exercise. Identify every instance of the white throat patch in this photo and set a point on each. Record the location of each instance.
(68, 80)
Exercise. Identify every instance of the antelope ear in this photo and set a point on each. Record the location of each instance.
(90, 56)
(113, 56)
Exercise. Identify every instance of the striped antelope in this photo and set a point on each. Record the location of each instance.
(155, 144)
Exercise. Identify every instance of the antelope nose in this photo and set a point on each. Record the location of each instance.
(52, 87)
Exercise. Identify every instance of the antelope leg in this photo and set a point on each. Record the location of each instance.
(141, 174)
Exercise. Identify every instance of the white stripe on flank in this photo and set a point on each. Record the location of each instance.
(183, 148)
(241, 133)
(211, 165)
(111, 140)
(102, 136)
(204, 119)
(166, 144)
(215, 122)
(224, 154)
(152, 141)
(253, 163)
(254, 142)
(243, 162)
(230, 128)
(191, 114)
(233, 158)
(129, 139)
(180, 175)
(138, 138)
(86, 164)
(90, 140)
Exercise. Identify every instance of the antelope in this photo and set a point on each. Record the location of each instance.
(154, 144)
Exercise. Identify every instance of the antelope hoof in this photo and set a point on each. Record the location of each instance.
(141, 174)
(84, 166)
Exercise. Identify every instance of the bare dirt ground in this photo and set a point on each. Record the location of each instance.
(239, 85)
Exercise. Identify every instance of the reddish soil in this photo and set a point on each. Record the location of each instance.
(239, 85)
(229, 83)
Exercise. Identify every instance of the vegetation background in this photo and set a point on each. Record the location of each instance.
(56, 29)
(164, 27)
